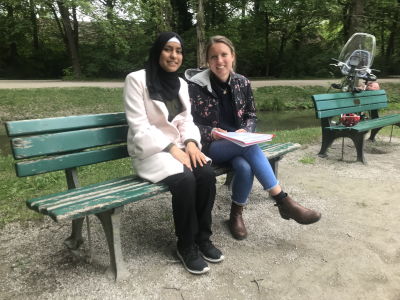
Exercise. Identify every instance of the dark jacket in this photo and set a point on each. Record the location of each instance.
(205, 105)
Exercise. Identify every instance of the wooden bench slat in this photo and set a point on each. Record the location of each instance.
(339, 111)
(61, 162)
(378, 122)
(103, 204)
(99, 193)
(329, 105)
(274, 150)
(347, 95)
(27, 147)
(47, 125)
(42, 202)
(364, 104)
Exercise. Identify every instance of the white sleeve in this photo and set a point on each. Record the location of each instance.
(145, 139)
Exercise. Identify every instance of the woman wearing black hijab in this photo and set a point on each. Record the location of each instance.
(165, 146)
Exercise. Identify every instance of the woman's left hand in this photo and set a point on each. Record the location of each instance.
(196, 156)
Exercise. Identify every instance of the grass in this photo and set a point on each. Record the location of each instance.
(279, 98)
(308, 159)
(18, 104)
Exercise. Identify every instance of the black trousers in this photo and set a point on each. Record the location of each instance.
(193, 195)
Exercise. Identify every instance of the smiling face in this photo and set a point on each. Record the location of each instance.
(220, 58)
(171, 57)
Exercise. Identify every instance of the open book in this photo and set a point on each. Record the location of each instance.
(245, 139)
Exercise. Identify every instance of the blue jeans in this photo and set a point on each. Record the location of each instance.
(246, 162)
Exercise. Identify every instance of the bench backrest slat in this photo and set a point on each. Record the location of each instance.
(41, 126)
(61, 142)
(55, 163)
(329, 105)
(51, 144)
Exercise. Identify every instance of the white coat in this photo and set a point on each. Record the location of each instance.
(150, 131)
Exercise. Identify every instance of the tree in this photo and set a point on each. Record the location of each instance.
(181, 16)
(40, 38)
(200, 32)
(35, 28)
(393, 34)
(68, 26)
(356, 17)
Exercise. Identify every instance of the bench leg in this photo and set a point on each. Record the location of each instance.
(75, 240)
(374, 133)
(229, 178)
(111, 221)
(358, 140)
(274, 164)
(327, 139)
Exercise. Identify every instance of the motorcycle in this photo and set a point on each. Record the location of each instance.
(355, 61)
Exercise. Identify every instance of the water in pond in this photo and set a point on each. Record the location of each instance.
(287, 120)
(267, 122)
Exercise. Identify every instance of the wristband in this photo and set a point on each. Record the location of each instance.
(166, 149)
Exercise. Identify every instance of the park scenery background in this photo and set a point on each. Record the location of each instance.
(352, 253)
(109, 38)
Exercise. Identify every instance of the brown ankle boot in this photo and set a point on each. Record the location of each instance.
(236, 224)
(290, 209)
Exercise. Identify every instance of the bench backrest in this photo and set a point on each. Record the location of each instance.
(51, 144)
(334, 104)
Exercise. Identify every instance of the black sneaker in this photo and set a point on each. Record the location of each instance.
(192, 261)
(210, 252)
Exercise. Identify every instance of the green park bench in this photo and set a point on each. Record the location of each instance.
(65, 143)
(328, 106)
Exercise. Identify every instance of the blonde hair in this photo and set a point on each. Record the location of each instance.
(224, 40)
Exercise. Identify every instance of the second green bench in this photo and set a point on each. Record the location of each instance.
(328, 106)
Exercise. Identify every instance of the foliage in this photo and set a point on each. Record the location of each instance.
(273, 38)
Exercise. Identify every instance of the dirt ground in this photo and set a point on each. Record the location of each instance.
(352, 253)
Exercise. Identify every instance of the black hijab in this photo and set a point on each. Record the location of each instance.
(162, 85)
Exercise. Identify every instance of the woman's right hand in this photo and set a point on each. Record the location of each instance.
(214, 136)
(181, 156)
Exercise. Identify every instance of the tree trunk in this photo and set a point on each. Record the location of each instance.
(392, 36)
(35, 31)
(201, 39)
(281, 53)
(181, 15)
(75, 29)
(110, 9)
(13, 50)
(70, 36)
(267, 44)
(356, 14)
